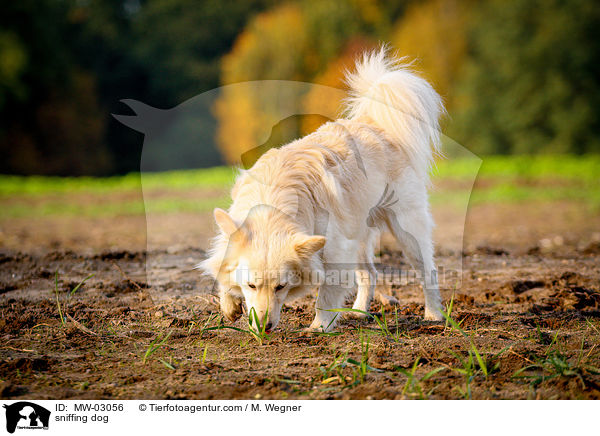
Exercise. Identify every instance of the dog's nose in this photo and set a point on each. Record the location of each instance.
(268, 326)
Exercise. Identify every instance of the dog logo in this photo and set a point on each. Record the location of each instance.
(26, 415)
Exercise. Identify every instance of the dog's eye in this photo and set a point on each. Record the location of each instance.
(252, 285)
(279, 287)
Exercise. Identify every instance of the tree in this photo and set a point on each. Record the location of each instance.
(531, 83)
(271, 47)
(51, 119)
(181, 42)
(331, 100)
(295, 41)
(66, 64)
(433, 35)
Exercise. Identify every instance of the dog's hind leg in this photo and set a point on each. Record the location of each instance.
(412, 228)
(386, 300)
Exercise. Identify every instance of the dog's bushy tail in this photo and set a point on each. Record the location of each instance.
(399, 102)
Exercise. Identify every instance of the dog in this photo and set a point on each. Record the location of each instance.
(312, 210)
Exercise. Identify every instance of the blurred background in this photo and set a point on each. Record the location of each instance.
(519, 79)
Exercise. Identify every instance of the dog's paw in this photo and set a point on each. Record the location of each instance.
(433, 315)
(231, 308)
(356, 315)
(320, 327)
(387, 300)
(232, 316)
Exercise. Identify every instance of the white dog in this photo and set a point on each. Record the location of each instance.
(310, 211)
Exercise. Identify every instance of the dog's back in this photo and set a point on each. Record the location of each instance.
(391, 124)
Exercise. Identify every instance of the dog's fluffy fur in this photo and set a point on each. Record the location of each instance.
(319, 203)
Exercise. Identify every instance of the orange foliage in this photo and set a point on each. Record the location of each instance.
(283, 43)
(323, 100)
(271, 47)
(434, 33)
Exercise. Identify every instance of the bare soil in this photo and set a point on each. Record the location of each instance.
(527, 300)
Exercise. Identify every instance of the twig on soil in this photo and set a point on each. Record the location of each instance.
(210, 300)
(138, 287)
(80, 326)
(39, 325)
(522, 357)
(8, 347)
(592, 326)
(591, 350)
(498, 331)
(426, 353)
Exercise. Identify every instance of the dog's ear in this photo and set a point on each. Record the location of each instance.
(225, 222)
(309, 245)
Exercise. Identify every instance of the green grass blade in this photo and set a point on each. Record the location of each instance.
(167, 364)
(432, 373)
(62, 318)
(81, 283)
(480, 360)
(155, 346)
(454, 324)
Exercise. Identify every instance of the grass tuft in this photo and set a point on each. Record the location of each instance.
(414, 385)
(155, 345)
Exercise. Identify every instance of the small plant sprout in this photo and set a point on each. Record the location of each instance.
(487, 365)
(204, 354)
(254, 323)
(556, 364)
(449, 308)
(60, 313)
(168, 365)
(256, 329)
(414, 384)
(204, 327)
(474, 362)
(336, 367)
(381, 322)
(76, 288)
(360, 368)
(155, 345)
(62, 308)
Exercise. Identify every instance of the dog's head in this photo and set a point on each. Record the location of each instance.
(268, 260)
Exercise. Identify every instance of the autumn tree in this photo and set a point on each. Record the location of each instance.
(296, 41)
(433, 35)
(531, 82)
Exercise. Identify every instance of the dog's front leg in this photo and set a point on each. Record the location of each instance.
(330, 297)
(340, 256)
(231, 304)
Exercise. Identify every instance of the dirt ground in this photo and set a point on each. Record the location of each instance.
(527, 301)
